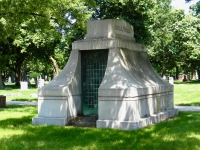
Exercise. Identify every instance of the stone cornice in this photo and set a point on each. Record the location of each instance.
(104, 43)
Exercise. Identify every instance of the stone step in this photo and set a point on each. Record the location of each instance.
(84, 121)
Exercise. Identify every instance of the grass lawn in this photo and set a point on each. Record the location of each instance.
(14, 93)
(187, 93)
(17, 132)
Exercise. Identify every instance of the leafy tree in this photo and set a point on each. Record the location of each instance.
(186, 40)
(60, 52)
(29, 27)
(175, 42)
(196, 8)
(1, 82)
(161, 51)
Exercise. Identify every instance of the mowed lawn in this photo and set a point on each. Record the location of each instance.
(187, 93)
(18, 133)
(14, 93)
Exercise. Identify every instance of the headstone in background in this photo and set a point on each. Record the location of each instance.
(194, 77)
(171, 80)
(9, 80)
(185, 78)
(40, 83)
(164, 77)
(45, 78)
(24, 85)
(180, 77)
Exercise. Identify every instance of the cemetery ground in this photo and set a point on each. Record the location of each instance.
(13, 93)
(181, 132)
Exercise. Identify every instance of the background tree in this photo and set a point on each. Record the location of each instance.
(162, 55)
(1, 81)
(186, 41)
(28, 27)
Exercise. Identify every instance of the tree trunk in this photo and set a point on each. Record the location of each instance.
(55, 66)
(163, 71)
(198, 73)
(17, 77)
(192, 69)
(1, 81)
(13, 77)
(177, 72)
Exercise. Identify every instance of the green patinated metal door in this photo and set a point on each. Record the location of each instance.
(93, 66)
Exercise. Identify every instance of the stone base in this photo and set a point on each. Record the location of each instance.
(50, 121)
(133, 125)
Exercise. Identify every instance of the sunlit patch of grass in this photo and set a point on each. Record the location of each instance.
(187, 94)
(13, 93)
(6, 134)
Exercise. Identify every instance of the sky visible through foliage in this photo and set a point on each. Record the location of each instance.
(181, 4)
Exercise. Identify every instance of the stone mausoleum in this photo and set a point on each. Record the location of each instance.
(108, 75)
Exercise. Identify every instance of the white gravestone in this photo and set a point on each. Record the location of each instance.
(9, 80)
(164, 77)
(24, 85)
(171, 80)
(40, 83)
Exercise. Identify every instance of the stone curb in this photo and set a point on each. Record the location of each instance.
(188, 108)
(21, 103)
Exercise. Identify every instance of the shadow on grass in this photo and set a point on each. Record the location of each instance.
(15, 121)
(19, 108)
(187, 82)
(174, 133)
(189, 104)
(24, 99)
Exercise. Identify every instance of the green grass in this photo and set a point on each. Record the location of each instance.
(17, 132)
(15, 94)
(187, 93)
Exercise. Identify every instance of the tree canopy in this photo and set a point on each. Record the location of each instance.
(30, 29)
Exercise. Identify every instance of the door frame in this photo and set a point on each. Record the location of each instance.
(93, 111)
